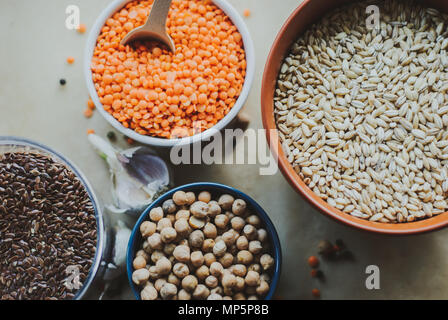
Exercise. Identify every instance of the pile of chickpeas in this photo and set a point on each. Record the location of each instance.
(198, 248)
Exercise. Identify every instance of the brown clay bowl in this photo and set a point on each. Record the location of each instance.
(309, 12)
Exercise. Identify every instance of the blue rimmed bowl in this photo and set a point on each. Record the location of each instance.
(215, 189)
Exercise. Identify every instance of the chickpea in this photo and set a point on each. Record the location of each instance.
(156, 255)
(140, 276)
(252, 278)
(169, 249)
(242, 243)
(239, 296)
(221, 221)
(147, 228)
(182, 253)
(164, 223)
(233, 250)
(159, 283)
(214, 296)
(169, 206)
(196, 223)
(239, 207)
(197, 259)
(240, 284)
(208, 245)
(156, 214)
(181, 226)
(226, 201)
(189, 283)
(252, 297)
(255, 267)
(229, 215)
(254, 220)
(205, 196)
(201, 292)
(202, 272)
(163, 266)
(168, 291)
(239, 270)
(172, 218)
(250, 232)
(146, 247)
(155, 241)
(153, 273)
(143, 254)
(219, 290)
(180, 198)
(181, 270)
(226, 260)
(263, 288)
(183, 214)
(196, 239)
(216, 269)
(213, 209)
(210, 230)
(168, 234)
(139, 263)
(262, 235)
(220, 248)
(184, 295)
(255, 247)
(149, 293)
(173, 279)
(199, 209)
(229, 237)
(228, 281)
(266, 261)
(191, 197)
(211, 282)
(244, 257)
(209, 258)
(237, 223)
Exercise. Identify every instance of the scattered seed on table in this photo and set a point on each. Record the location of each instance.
(70, 60)
(246, 13)
(90, 131)
(315, 293)
(90, 104)
(62, 82)
(112, 136)
(313, 262)
(82, 28)
(88, 113)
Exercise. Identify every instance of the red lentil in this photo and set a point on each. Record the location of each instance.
(158, 93)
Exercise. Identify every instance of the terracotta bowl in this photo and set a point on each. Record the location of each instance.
(309, 12)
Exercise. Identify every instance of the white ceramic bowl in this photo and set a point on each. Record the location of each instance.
(159, 142)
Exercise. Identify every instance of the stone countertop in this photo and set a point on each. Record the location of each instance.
(34, 105)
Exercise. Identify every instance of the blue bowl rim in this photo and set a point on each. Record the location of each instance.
(226, 189)
(28, 143)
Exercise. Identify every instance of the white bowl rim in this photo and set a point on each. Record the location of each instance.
(236, 19)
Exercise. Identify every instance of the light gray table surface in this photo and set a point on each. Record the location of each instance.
(35, 44)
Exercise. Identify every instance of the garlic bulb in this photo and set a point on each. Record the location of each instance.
(138, 176)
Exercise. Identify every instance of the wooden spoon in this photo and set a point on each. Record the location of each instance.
(155, 26)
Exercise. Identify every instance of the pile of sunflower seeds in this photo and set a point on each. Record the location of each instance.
(363, 113)
(47, 224)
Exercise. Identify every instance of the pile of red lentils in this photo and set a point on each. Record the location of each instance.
(161, 94)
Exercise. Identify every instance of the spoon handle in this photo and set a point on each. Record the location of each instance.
(158, 15)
